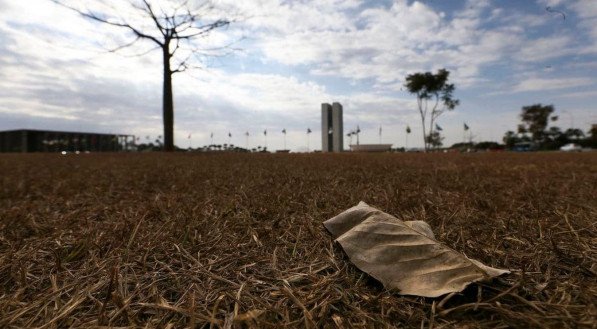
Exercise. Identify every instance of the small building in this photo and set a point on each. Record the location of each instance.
(371, 147)
(30, 140)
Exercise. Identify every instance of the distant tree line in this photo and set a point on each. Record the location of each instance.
(535, 128)
(157, 146)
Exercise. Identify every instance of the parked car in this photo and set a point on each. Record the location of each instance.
(571, 147)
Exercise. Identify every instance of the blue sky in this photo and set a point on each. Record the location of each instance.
(294, 55)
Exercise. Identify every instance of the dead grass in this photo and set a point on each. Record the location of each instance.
(221, 241)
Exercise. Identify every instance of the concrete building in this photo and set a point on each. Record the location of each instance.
(332, 136)
(29, 140)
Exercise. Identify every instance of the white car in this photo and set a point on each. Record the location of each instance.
(571, 147)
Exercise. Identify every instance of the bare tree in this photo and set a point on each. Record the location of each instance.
(172, 26)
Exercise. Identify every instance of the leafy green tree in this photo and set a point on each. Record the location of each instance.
(488, 146)
(591, 139)
(434, 89)
(554, 138)
(593, 133)
(435, 140)
(574, 133)
(535, 119)
(510, 139)
(555, 133)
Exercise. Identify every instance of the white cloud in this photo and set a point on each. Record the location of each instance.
(543, 49)
(385, 44)
(550, 3)
(585, 8)
(540, 84)
(581, 94)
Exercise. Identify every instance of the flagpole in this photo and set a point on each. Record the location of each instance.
(406, 144)
(308, 141)
(407, 133)
(308, 150)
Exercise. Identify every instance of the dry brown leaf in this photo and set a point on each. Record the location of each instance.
(404, 255)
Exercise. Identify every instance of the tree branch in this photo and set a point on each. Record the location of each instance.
(143, 53)
(124, 46)
(204, 29)
(154, 18)
(97, 18)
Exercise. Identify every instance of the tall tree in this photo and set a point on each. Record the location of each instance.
(535, 119)
(434, 88)
(173, 26)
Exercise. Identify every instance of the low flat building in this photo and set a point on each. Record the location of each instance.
(30, 140)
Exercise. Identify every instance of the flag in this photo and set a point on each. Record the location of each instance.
(358, 130)
(265, 132)
(308, 130)
(438, 128)
(229, 134)
(379, 130)
(189, 136)
(284, 131)
(212, 135)
(247, 133)
(465, 126)
(408, 129)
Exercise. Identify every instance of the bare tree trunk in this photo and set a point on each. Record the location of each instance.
(424, 132)
(431, 132)
(423, 114)
(168, 106)
(433, 117)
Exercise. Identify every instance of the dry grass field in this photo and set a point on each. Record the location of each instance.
(236, 240)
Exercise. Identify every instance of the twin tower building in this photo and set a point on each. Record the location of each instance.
(331, 128)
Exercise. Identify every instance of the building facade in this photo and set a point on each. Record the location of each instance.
(332, 136)
(27, 140)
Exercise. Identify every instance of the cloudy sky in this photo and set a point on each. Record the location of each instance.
(291, 56)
